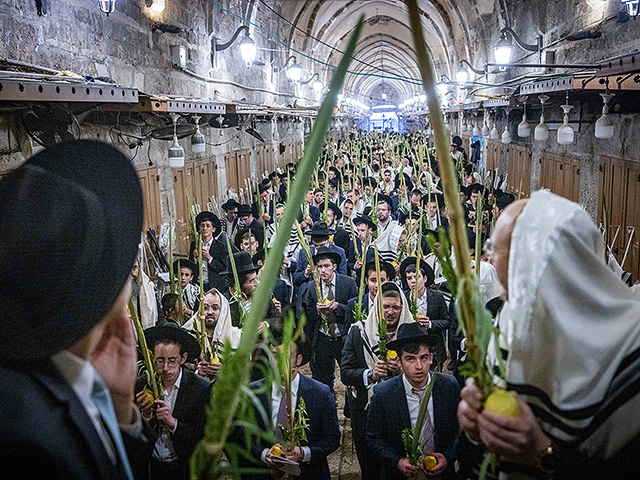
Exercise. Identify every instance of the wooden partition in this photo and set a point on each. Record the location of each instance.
(494, 156)
(560, 174)
(149, 181)
(519, 170)
(620, 188)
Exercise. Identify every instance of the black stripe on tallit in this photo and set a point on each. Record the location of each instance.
(629, 361)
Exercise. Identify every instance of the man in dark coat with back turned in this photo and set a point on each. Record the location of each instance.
(69, 364)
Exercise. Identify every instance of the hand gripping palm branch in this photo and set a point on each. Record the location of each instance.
(414, 444)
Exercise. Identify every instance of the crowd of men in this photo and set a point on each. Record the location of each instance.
(72, 408)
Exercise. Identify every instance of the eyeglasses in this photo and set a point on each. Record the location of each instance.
(172, 361)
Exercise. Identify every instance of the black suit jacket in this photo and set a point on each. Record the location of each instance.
(345, 289)
(219, 262)
(45, 432)
(438, 313)
(190, 411)
(389, 416)
(351, 306)
(323, 436)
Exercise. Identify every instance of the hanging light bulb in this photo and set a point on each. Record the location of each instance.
(494, 134)
(107, 6)
(502, 51)
(565, 132)
(476, 130)
(294, 72)
(604, 125)
(198, 142)
(176, 152)
(462, 76)
(248, 49)
(317, 86)
(524, 130)
(485, 127)
(157, 6)
(506, 136)
(541, 132)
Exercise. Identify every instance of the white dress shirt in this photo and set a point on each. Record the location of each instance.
(413, 401)
(422, 305)
(205, 264)
(164, 450)
(276, 398)
(326, 289)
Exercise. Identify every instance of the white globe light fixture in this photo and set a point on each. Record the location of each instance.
(248, 49)
(462, 76)
(502, 51)
(317, 86)
(294, 72)
(157, 6)
(604, 125)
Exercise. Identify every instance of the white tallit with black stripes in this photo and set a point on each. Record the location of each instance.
(572, 329)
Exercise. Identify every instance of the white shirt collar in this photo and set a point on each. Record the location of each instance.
(78, 372)
(408, 388)
(176, 386)
(277, 393)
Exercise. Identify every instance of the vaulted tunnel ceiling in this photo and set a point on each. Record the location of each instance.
(385, 53)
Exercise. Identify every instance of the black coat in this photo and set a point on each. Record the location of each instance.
(323, 435)
(190, 411)
(219, 262)
(345, 289)
(272, 316)
(389, 416)
(351, 306)
(438, 313)
(45, 432)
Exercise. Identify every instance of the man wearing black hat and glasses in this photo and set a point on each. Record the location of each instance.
(247, 219)
(68, 368)
(214, 250)
(395, 405)
(326, 325)
(178, 418)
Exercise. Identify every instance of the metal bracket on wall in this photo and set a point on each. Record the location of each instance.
(179, 105)
(26, 90)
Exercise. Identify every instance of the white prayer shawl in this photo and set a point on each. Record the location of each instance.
(148, 303)
(369, 328)
(490, 287)
(572, 329)
(387, 241)
(224, 329)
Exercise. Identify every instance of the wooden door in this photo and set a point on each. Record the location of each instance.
(151, 198)
(231, 169)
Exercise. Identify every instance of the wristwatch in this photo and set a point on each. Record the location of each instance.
(370, 379)
(548, 460)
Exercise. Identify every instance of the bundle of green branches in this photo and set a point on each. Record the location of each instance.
(237, 290)
(148, 363)
(475, 321)
(382, 324)
(233, 376)
(414, 444)
(201, 330)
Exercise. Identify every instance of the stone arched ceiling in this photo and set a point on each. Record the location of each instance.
(385, 53)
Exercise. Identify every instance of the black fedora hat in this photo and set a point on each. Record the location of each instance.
(244, 264)
(244, 210)
(386, 266)
(364, 219)
(326, 252)
(186, 263)
(412, 333)
(175, 334)
(424, 266)
(337, 213)
(320, 229)
(230, 204)
(77, 209)
(457, 141)
(206, 216)
(263, 187)
(237, 241)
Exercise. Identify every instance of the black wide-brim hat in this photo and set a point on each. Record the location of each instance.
(263, 187)
(320, 229)
(244, 210)
(457, 141)
(412, 333)
(386, 266)
(256, 233)
(70, 224)
(244, 264)
(206, 216)
(337, 213)
(186, 263)
(424, 266)
(230, 204)
(325, 252)
(363, 219)
(175, 334)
